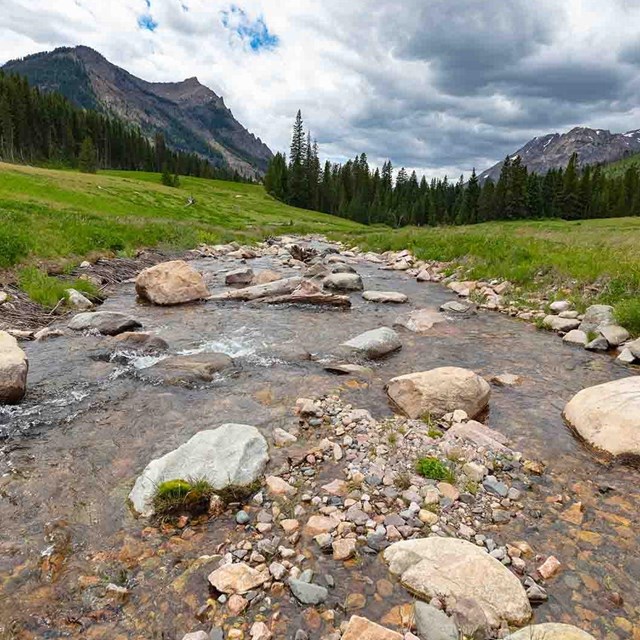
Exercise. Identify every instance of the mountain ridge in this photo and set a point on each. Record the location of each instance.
(192, 117)
(554, 150)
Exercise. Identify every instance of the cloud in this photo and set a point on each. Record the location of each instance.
(431, 84)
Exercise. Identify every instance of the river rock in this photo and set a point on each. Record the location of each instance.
(597, 344)
(109, 323)
(241, 276)
(265, 276)
(76, 300)
(459, 307)
(439, 391)
(237, 578)
(144, 343)
(634, 348)
(177, 370)
(170, 283)
(560, 305)
(434, 624)
(363, 629)
(452, 569)
(420, 320)
(374, 344)
(596, 318)
(550, 631)
(342, 268)
(556, 323)
(14, 367)
(308, 593)
(576, 336)
(343, 282)
(614, 334)
(607, 416)
(196, 635)
(626, 357)
(231, 455)
(385, 296)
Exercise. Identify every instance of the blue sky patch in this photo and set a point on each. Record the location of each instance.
(147, 22)
(254, 33)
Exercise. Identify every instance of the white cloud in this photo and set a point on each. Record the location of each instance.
(434, 85)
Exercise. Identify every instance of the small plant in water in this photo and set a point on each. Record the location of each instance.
(434, 469)
(177, 497)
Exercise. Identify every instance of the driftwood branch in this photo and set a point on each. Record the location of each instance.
(271, 289)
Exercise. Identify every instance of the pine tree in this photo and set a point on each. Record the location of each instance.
(298, 180)
(87, 161)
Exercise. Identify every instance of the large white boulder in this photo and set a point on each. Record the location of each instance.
(440, 391)
(170, 283)
(14, 367)
(451, 570)
(231, 455)
(374, 344)
(608, 416)
(394, 297)
(550, 631)
(596, 317)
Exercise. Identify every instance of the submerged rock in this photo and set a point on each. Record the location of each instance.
(343, 282)
(439, 391)
(420, 320)
(459, 307)
(109, 323)
(308, 593)
(189, 369)
(171, 283)
(14, 367)
(231, 455)
(145, 343)
(607, 416)
(452, 569)
(550, 631)
(241, 276)
(363, 629)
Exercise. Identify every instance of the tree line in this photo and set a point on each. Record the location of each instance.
(356, 191)
(43, 128)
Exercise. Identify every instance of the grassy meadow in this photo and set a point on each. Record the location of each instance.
(49, 216)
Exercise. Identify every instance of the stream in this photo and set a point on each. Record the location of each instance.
(69, 455)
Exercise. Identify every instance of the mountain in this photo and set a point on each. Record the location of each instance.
(553, 151)
(191, 116)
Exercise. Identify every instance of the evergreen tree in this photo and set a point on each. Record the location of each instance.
(87, 162)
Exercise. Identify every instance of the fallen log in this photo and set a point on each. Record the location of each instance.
(270, 289)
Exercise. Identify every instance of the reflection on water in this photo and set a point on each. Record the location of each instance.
(72, 450)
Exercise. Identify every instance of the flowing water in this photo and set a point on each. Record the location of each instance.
(71, 452)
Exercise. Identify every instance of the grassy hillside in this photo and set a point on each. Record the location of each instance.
(54, 215)
(67, 216)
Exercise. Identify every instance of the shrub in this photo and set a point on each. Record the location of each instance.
(434, 469)
(12, 247)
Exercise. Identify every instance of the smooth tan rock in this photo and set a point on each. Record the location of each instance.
(608, 416)
(170, 283)
(420, 320)
(266, 276)
(550, 631)
(452, 569)
(279, 487)
(14, 367)
(344, 549)
(477, 433)
(440, 391)
(363, 629)
(385, 297)
(320, 524)
(237, 578)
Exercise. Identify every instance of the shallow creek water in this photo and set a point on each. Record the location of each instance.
(71, 452)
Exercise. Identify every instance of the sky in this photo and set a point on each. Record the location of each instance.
(434, 85)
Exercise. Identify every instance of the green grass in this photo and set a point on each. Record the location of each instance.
(181, 497)
(48, 290)
(65, 216)
(434, 469)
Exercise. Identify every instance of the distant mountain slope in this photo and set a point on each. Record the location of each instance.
(593, 146)
(192, 117)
